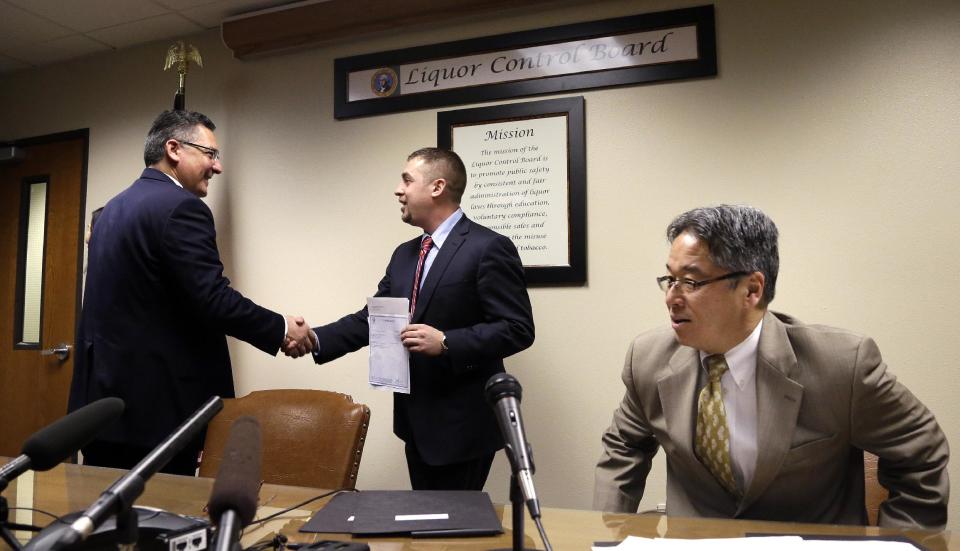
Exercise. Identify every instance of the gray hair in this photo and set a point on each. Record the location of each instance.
(739, 238)
(178, 125)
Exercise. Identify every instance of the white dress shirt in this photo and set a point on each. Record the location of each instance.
(439, 236)
(739, 386)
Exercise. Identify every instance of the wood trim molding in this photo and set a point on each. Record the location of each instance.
(310, 24)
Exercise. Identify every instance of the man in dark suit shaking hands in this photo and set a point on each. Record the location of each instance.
(470, 311)
(157, 306)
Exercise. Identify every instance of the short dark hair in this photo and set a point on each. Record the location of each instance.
(443, 163)
(177, 124)
(739, 238)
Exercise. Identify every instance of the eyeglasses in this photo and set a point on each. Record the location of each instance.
(688, 285)
(211, 153)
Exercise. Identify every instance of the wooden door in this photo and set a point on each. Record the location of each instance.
(33, 386)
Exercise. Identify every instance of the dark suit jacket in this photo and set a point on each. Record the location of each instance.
(823, 395)
(476, 294)
(156, 310)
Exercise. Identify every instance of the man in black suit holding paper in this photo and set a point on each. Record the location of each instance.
(470, 312)
(157, 306)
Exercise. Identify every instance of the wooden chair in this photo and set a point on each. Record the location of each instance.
(874, 493)
(310, 437)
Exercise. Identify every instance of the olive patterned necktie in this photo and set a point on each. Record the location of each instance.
(712, 441)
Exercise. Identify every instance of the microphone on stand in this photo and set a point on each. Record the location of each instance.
(504, 394)
(51, 445)
(233, 499)
(119, 497)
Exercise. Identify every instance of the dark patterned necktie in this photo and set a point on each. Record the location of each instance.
(425, 246)
(712, 442)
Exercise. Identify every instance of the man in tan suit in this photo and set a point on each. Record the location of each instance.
(784, 418)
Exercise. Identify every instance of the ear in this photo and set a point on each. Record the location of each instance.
(437, 187)
(755, 284)
(173, 149)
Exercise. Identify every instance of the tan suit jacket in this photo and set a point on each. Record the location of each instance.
(823, 396)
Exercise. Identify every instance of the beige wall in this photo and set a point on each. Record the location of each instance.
(837, 118)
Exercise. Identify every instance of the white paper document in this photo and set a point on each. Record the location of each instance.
(389, 360)
(780, 543)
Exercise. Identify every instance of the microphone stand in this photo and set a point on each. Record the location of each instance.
(228, 533)
(118, 499)
(5, 534)
(518, 514)
(127, 528)
(6, 526)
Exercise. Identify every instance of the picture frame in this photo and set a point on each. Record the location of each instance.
(526, 179)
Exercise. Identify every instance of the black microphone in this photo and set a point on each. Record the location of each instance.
(122, 493)
(503, 394)
(51, 445)
(233, 499)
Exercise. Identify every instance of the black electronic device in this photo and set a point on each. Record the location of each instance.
(117, 500)
(157, 531)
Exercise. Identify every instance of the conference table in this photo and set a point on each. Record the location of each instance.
(69, 487)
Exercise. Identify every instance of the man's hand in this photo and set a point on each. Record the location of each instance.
(299, 338)
(422, 339)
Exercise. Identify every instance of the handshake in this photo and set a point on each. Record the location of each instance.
(299, 340)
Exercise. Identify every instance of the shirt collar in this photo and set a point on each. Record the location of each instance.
(443, 230)
(742, 359)
(172, 178)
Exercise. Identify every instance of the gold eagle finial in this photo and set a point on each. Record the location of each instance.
(181, 55)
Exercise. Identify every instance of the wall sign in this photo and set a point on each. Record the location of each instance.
(628, 50)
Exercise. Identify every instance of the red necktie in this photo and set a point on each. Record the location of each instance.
(424, 249)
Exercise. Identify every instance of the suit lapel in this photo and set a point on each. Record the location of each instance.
(449, 249)
(778, 403)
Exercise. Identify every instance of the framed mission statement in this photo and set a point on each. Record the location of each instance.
(526, 179)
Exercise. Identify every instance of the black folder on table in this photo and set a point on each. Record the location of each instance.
(416, 513)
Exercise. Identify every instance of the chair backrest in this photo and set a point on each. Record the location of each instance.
(310, 437)
(874, 493)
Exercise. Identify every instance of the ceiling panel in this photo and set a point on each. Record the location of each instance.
(146, 30)
(88, 15)
(180, 5)
(37, 32)
(60, 49)
(22, 26)
(9, 64)
(212, 14)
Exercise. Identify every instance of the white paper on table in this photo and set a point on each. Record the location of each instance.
(781, 543)
(389, 360)
(857, 545)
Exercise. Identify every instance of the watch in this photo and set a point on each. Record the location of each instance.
(443, 344)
